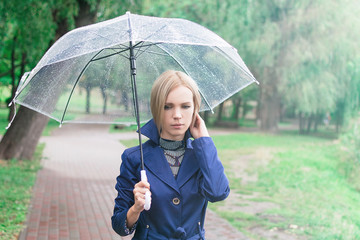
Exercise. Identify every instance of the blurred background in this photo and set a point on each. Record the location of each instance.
(306, 56)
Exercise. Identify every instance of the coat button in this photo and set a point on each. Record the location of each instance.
(176, 201)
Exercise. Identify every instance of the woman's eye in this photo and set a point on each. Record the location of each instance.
(166, 107)
(186, 106)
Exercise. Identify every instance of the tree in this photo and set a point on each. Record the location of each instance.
(300, 50)
(21, 139)
(317, 69)
(18, 51)
(226, 18)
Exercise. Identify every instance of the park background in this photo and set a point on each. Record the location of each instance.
(295, 142)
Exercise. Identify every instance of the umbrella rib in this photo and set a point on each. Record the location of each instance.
(156, 53)
(145, 50)
(142, 51)
(203, 96)
(138, 49)
(112, 54)
(123, 54)
(76, 82)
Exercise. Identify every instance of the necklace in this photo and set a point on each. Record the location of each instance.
(176, 159)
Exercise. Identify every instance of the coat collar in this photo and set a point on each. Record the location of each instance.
(150, 131)
(159, 166)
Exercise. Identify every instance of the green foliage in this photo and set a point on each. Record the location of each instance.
(311, 47)
(17, 179)
(5, 93)
(3, 120)
(114, 8)
(27, 28)
(350, 140)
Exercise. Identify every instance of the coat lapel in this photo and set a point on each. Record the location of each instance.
(188, 167)
(156, 162)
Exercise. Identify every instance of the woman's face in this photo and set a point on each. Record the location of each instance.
(178, 113)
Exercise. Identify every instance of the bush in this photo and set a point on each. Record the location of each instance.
(351, 139)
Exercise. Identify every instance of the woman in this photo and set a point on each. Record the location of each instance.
(184, 174)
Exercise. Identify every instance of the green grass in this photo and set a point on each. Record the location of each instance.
(17, 179)
(311, 181)
(307, 177)
(132, 142)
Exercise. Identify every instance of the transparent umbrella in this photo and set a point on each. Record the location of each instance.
(103, 73)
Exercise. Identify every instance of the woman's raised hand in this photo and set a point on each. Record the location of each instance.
(198, 128)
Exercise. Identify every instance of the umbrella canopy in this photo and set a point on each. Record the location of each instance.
(85, 77)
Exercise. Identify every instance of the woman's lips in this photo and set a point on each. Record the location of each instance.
(176, 125)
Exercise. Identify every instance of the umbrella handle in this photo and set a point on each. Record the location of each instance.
(147, 193)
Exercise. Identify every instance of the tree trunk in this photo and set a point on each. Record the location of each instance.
(104, 95)
(220, 108)
(246, 109)
(317, 121)
(301, 123)
(310, 121)
(87, 107)
(15, 85)
(86, 14)
(270, 103)
(258, 110)
(206, 117)
(22, 137)
(13, 78)
(236, 108)
(125, 101)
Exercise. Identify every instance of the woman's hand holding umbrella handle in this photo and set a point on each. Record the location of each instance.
(147, 193)
(198, 128)
(139, 191)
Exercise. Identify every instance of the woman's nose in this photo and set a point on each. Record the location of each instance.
(177, 113)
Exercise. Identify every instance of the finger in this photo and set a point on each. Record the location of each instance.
(195, 124)
(142, 184)
(199, 121)
(145, 184)
(138, 196)
(139, 204)
(142, 190)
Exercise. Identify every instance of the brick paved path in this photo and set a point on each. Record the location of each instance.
(74, 193)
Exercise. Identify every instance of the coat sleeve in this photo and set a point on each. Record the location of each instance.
(214, 185)
(125, 199)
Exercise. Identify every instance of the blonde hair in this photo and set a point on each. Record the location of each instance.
(161, 88)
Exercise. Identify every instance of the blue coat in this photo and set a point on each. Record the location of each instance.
(178, 205)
